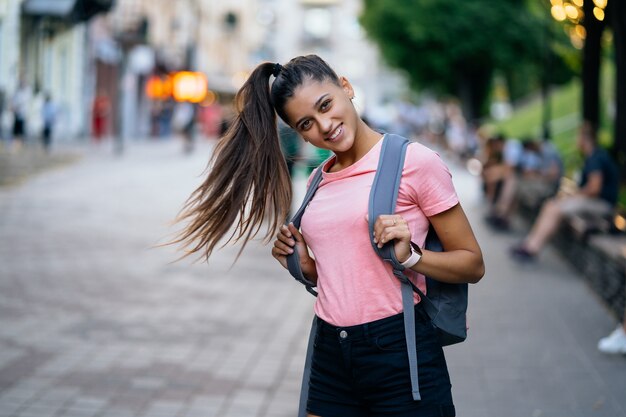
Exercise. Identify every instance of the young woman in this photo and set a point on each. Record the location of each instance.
(360, 365)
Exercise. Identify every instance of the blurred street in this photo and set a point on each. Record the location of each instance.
(97, 322)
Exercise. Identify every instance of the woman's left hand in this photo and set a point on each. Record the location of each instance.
(393, 227)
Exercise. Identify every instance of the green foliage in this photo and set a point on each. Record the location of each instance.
(442, 44)
(565, 104)
(435, 40)
(527, 119)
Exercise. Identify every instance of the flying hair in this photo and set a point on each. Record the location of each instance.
(247, 183)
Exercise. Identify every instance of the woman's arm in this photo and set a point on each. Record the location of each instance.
(462, 259)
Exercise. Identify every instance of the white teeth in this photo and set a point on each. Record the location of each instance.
(336, 133)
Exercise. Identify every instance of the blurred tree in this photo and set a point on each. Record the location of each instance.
(618, 22)
(592, 54)
(454, 46)
(586, 20)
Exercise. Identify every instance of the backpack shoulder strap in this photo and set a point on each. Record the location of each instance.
(383, 199)
(293, 260)
(385, 188)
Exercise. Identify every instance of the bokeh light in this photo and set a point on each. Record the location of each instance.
(600, 3)
(598, 13)
(571, 11)
(558, 12)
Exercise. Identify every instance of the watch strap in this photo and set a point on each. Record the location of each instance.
(416, 255)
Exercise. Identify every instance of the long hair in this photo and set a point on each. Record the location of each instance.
(248, 181)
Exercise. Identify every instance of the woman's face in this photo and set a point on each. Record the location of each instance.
(323, 114)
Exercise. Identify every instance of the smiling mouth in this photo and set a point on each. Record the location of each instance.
(336, 133)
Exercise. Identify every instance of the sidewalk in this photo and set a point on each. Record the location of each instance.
(533, 332)
(97, 321)
(17, 163)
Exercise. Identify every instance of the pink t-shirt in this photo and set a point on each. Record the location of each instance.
(355, 286)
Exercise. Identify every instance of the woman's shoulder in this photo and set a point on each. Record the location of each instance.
(419, 155)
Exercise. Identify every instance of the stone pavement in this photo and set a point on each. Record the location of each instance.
(96, 321)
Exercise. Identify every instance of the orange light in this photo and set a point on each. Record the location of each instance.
(189, 86)
(158, 88)
(581, 31)
(620, 222)
(209, 99)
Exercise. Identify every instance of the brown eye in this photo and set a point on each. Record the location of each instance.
(325, 105)
(305, 125)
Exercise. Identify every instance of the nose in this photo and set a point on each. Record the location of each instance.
(326, 124)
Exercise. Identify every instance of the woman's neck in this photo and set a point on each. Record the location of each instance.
(365, 139)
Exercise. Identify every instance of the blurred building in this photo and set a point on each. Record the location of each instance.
(95, 57)
(43, 47)
(330, 28)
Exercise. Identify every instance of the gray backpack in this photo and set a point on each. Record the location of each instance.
(446, 304)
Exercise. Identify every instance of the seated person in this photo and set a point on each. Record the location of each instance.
(597, 194)
(538, 175)
(500, 163)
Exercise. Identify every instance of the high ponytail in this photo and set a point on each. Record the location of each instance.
(248, 181)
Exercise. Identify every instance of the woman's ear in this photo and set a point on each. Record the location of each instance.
(347, 87)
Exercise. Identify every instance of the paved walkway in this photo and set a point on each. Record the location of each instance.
(97, 322)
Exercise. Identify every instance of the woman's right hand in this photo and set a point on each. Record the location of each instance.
(289, 239)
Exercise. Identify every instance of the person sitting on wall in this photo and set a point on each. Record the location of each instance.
(597, 194)
(538, 177)
(501, 163)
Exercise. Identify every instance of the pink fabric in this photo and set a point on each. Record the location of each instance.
(355, 286)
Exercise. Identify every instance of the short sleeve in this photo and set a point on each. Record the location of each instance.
(594, 164)
(428, 180)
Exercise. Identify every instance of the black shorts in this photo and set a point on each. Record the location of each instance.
(363, 371)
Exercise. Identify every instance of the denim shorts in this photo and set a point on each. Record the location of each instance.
(363, 371)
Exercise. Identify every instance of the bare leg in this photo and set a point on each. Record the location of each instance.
(507, 196)
(545, 226)
(491, 177)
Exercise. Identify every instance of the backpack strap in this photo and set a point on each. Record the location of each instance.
(293, 265)
(383, 199)
(306, 375)
(293, 260)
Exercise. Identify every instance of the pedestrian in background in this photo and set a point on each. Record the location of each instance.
(249, 183)
(101, 112)
(19, 106)
(48, 115)
(537, 176)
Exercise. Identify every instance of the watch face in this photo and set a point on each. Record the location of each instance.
(416, 248)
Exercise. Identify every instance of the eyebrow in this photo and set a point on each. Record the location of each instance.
(317, 103)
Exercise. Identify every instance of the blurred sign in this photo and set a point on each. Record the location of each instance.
(189, 86)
